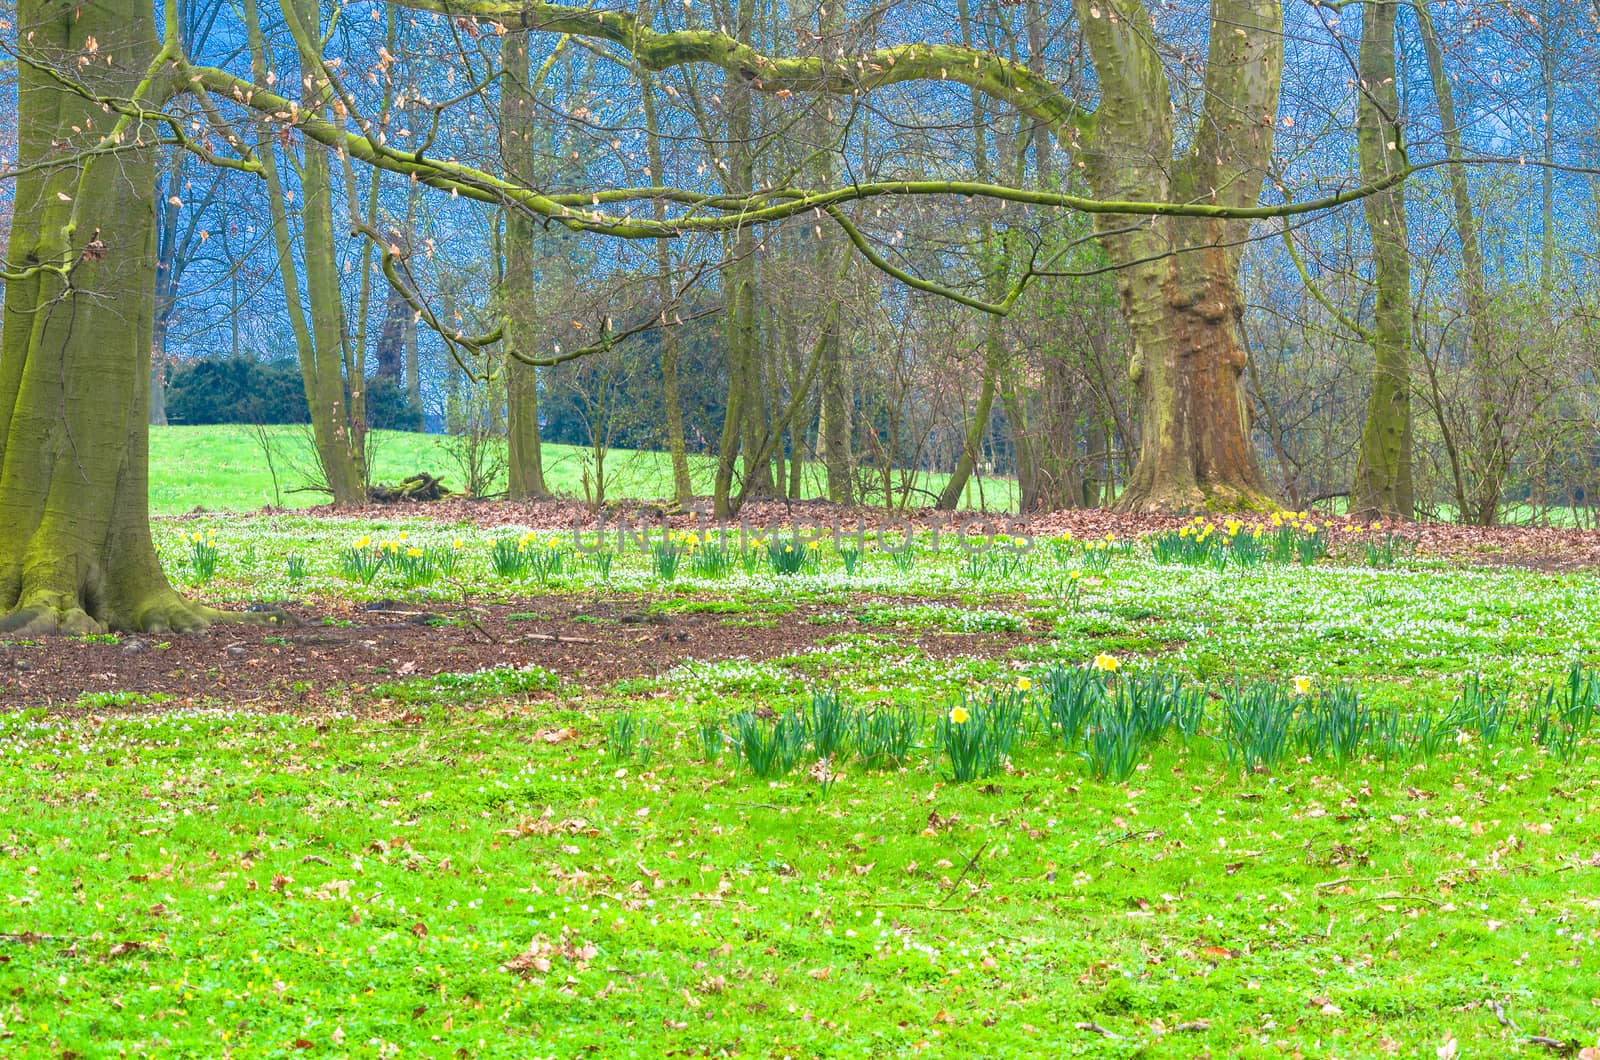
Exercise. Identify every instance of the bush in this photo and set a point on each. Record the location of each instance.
(390, 407)
(236, 390)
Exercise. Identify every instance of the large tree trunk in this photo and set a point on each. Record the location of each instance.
(1179, 276)
(739, 281)
(1383, 468)
(75, 548)
(525, 463)
(1188, 366)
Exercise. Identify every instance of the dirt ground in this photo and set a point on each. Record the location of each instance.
(314, 665)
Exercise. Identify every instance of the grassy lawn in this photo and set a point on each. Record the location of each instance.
(225, 468)
(1183, 851)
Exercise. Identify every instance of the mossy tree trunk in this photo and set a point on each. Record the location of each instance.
(818, 26)
(525, 462)
(671, 387)
(1178, 277)
(338, 426)
(75, 547)
(1383, 468)
(745, 419)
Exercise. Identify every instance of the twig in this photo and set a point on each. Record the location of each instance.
(1097, 1029)
(1364, 879)
(951, 890)
(1553, 1044)
(555, 638)
(1396, 897)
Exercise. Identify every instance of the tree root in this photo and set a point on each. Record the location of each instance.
(1196, 500)
(166, 613)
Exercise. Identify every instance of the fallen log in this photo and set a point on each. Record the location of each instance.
(419, 487)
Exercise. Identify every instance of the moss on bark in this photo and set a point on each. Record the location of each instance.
(525, 463)
(1383, 467)
(75, 548)
(1178, 276)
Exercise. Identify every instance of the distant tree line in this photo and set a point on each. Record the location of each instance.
(238, 388)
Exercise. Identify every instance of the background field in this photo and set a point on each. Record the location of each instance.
(225, 468)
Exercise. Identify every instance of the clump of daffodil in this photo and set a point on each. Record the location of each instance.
(362, 560)
(202, 555)
(978, 733)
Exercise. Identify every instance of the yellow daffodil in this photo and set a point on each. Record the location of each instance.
(1302, 686)
(1106, 663)
(414, 552)
(1024, 684)
(959, 716)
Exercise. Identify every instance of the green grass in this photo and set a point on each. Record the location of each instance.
(223, 468)
(486, 882)
(517, 862)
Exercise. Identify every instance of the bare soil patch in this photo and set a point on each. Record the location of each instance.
(340, 653)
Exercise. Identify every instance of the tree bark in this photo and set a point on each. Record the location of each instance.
(525, 463)
(338, 434)
(1479, 500)
(389, 351)
(75, 548)
(739, 286)
(1383, 468)
(950, 496)
(1178, 277)
(166, 288)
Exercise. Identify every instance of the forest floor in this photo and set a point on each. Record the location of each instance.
(1319, 793)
